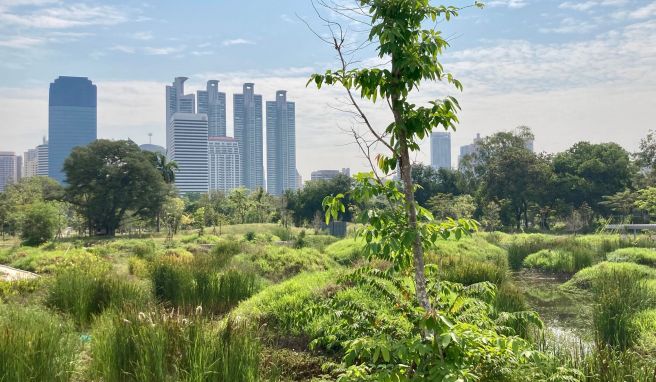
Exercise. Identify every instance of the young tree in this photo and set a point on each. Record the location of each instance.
(396, 28)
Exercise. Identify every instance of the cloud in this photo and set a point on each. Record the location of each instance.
(163, 51)
(60, 16)
(238, 41)
(590, 4)
(508, 3)
(143, 36)
(644, 12)
(287, 19)
(570, 25)
(20, 42)
(123, 49)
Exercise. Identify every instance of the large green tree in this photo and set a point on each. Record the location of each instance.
(587, 172)
(305, 203)
(107, 180)
(432, 181)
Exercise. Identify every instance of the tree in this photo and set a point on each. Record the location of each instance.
(108, 180)
(587, 172)
(239, 202)
(431, 181)
(172, 212)
(307, 202)
(396, 29)
(444, 206)
(40, 222)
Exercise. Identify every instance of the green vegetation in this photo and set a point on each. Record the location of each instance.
(642, 256)
(35, 345)
(558, 261)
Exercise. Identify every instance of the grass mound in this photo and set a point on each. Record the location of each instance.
(644, 256)
(345, 251)
(558, 261)
(584, 279)
(278, 263)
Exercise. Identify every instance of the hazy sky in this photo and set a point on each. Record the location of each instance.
(571, 70)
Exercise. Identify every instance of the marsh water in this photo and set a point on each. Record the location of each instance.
(567, 316)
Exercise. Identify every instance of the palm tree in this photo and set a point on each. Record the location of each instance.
(166, 168)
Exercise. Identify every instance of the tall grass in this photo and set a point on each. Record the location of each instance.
(644, 256)
(558, 261)
(190, 284)
(35, 345)
(168, 346)
(83, 292)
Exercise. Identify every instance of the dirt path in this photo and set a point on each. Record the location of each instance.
(13, 274)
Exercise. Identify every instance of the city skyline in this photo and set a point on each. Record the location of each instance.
(514, 58)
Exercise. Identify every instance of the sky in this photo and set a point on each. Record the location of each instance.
(570, 70)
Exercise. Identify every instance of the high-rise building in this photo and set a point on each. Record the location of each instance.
(42, 158)
(213, 103)
(177, 101)
(281, 144)
(329, 174)
(153, 148)
(224, 162)
(469, 149)
(187, 146)
(7, 169)
(441, 149)
(30, 163)
(72, 120)
(248, 133)
(19, 168)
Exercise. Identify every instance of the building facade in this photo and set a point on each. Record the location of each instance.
(187, 146)
(248, 133)
(281, 144)
(7, 169)
(42, 159)
(177, 101)
(72, 120)
(441, 149)
(470, 149)
(329, 174)
(30, 163)
(213, 103)
(224, 164)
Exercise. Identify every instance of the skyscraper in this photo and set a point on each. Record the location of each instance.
(441, 149)
(177, 101)
(30, 163)
(7, 169)
(224, 161)
(281, 144)
(213, 103)
(42, 159)
(248, 132)
(187, 146)
(72, 120)
(469, 149)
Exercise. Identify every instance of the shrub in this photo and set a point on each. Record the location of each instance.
(283, 233)
(144, 248)
(35, 345)
(138, 267)
(467, 271)
(39, 222)
(320, 242)
(83, 292)
(278, 263)
(167, 346)
(249, 236)
(227, 248)
(642, 256)
(524, 245)
(556, 260)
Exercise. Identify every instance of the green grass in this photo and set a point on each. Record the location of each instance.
(85, 291)
(346, 251)
(583, 279)
(277, 263)
(167, 346)
(644, 256)
(558, 261)
(35, 345)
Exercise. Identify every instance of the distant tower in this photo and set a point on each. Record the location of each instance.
(469, 149)
(248, 132)
(440, 149)
(42, 158)
(213, 103)
(177, 101)
(7, 169)
(187, 146)
(72, 120)
(281, 144)
(224, 162)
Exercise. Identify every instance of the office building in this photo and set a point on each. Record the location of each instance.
(224, 162)
(177, 101)
(213, 103)
(248, 133)
(72, 120)
(19, 168)
(7, 169)
(440, 149)
(187, 146)
(30, 163)
(470, 149)
(329, 174)
(281, 144)
(153, 148)
(42, 158)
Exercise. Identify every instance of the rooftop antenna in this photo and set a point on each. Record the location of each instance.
(150, 138)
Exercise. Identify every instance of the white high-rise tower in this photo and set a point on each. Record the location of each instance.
(281, 144)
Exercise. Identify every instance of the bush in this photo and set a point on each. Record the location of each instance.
(39, 222)
(320, 242)
(277, 263)
(167, 346)
(85, 291)
(249, 236)
(467, 271)
(283, 233)
(642, 256)
(558, 261)
(35, 345)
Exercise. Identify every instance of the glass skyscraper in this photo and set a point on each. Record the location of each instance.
(248, 133)
(72, 120)
(213, 103)
(281, 144)
(441, 149)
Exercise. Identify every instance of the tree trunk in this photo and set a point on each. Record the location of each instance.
(417, 247)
